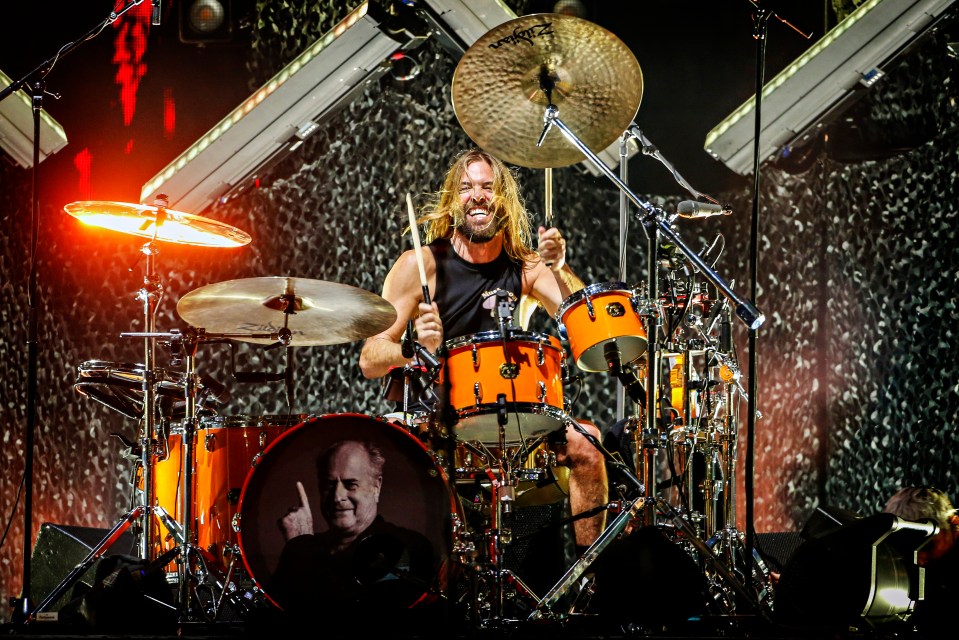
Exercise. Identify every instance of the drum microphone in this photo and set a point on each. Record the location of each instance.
(413, 348)
(407, 343)
(428, 358)
(219, 391)
(692, 209)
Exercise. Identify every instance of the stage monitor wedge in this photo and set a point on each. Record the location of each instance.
(825, 80)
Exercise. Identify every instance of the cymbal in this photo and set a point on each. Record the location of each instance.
(142, 220)
(324, 312)
(498, 96)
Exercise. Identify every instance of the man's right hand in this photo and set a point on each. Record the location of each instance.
(429, 326)
(299, 521)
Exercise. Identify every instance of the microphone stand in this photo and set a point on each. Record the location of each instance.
(656, 224)
(761, 18)
(35, 79)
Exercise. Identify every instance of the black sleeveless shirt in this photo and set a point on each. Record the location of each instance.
(466, 292)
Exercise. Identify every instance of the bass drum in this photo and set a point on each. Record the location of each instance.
(416, 510)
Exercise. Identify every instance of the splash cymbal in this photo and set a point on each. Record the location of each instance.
(499, 94)
(324, 312)
(157, 223)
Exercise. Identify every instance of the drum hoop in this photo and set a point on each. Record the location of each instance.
(254, 420)
(545, 339)
(590, 290)
(535, 408)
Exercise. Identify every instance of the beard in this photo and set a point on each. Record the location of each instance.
(479, 232)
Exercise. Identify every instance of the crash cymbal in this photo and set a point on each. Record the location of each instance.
(142, 220)
(498, 99)
(325, 312)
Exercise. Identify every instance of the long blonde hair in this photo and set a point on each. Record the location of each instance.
(439, 210)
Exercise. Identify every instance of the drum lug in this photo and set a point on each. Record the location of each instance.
(589, 307)
(209, 442)
(540, 355)
(542, 391)
(256, 458)
(262, 440)
(236, 522)
(477, 393)
(475, 357)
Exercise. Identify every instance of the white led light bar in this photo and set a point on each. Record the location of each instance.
(278, 116)
(823, 81)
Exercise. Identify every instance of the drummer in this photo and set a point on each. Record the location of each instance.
(479, 238)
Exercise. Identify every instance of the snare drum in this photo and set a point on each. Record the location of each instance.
(522, 377)
(601, 316)
(414, 496)
(227, 448)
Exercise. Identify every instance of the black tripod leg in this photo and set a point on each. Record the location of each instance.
(112, 536)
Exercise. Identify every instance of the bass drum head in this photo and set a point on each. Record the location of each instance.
(414, 498)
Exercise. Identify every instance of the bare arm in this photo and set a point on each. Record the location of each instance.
(403, 289)
(550, 285)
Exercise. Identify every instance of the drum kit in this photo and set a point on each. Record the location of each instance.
(208, 486)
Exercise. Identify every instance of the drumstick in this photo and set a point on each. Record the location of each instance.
(548, 193)
(548, 197)
(415, 232)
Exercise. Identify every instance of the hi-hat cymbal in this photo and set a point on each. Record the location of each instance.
(145, 221)
(324, 312)
(499, 100)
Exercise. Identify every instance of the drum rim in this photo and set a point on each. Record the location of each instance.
(591, 289)
(494, 335)
(302, 417)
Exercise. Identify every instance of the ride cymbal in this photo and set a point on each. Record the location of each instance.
(158, 223)
(323, 312)
(500, 88)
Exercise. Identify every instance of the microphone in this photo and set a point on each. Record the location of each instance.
(219, 391)
(692, 209)
(428, 358)
(407, 343)
(612, 355)
(157, 11)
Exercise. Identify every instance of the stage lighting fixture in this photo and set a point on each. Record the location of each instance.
(281, 114)
(205, 21)
(16, 128)
(819, 85)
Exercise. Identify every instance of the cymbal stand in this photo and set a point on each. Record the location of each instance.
(141, 516)
(194, 565)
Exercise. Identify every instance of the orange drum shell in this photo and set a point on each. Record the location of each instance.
(488, 368)
(587, 333)
(224, 455)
